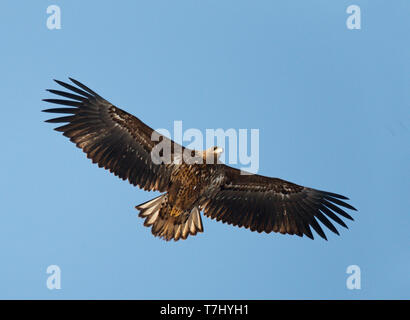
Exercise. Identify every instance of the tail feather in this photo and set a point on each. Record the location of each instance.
(166, 226)
(150, 210)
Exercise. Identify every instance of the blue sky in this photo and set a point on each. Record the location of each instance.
(332, 106)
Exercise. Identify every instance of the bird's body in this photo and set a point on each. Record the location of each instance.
(123, 144)
(187, 184)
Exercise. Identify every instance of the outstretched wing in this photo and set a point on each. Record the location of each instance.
(111, 137)
(270, 204)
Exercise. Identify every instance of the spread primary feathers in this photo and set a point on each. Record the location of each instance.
(122, 144)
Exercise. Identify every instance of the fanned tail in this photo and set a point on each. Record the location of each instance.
(169, 227)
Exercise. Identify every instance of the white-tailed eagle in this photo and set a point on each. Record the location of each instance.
(122, 144)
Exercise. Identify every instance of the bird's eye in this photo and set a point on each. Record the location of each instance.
(215, 148)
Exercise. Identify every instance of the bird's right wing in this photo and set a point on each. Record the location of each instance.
(111, 137)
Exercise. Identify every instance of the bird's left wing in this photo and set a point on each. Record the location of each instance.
(267, 204)
(111, 137)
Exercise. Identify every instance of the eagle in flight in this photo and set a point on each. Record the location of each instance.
(123, 144)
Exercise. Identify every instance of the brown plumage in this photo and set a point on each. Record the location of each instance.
(122, 144)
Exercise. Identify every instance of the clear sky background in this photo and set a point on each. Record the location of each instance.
(332, 106)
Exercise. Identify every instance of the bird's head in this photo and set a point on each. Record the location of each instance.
(212, 154)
